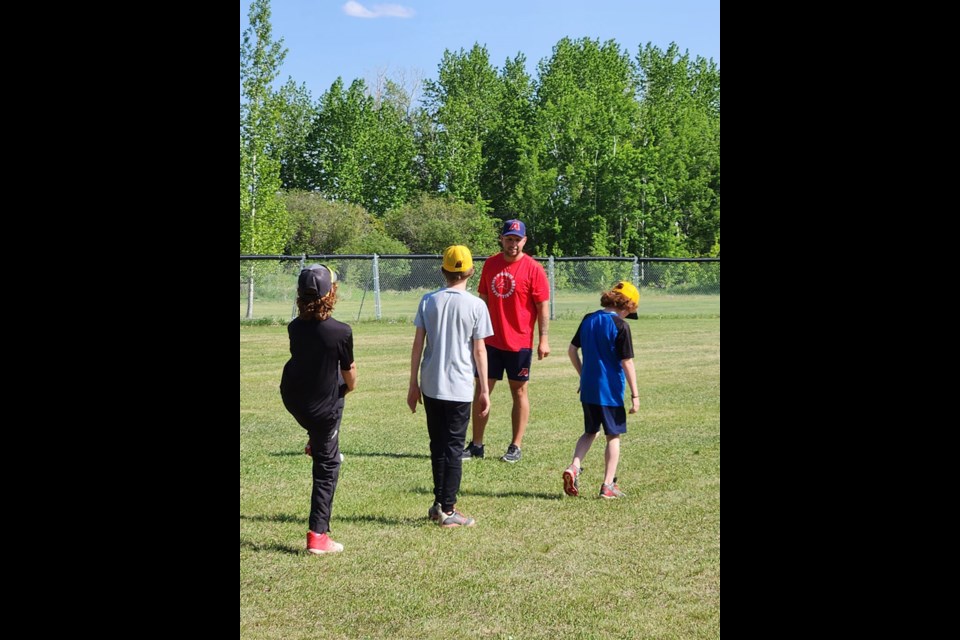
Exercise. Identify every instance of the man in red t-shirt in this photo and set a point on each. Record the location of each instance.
(517, 294)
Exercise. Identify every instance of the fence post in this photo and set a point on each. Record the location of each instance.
(376, 286)
(636, 272)
(303, 263)
(553, 288)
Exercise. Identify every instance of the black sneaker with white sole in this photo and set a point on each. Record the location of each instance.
(512, 454)
(471, 451)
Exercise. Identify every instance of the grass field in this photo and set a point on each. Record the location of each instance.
(538, 564)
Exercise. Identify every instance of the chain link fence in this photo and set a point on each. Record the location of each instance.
(389, 287)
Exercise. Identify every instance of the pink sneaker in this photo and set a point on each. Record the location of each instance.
(455, 519)
(571, 484)
(320, 543)
(611, 491)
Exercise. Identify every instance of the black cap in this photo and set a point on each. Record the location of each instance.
(316, 280)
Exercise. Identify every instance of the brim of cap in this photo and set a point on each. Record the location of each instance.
(513, 233)
(633, 316)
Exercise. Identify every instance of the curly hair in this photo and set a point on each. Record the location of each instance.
(314, 308)
(617, 300)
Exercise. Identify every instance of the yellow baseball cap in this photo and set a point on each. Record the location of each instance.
(631, 292)
(457, 259)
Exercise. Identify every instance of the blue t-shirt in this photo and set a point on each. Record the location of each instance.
(605, 340)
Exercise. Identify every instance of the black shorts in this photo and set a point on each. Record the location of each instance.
(613, 419)
(515, 363)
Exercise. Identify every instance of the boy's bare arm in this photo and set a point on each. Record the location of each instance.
(631, 374)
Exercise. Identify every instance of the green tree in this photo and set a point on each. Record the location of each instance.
(462, 107)
(430, 223)
(375, 240)
(361, 149)
(263, 219)
(586, 121)
(324, 226)
(297, 115)
(508, 148)
(332, 141)
(679, 175)
(389, 148)
(332, 228)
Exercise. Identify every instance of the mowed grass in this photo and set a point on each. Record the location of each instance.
(538, 564)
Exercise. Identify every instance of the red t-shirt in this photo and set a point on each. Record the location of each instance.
(513, 290)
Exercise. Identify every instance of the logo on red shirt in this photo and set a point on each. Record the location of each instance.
(503, 284)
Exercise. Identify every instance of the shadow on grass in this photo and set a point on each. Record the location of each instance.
(496, 494)
(280, 517)
(359, 454)
(376, 454)
(512, 494)
(273, 546)
(381, 520)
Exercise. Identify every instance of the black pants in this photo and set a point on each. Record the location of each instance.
(447, 424)
(325, 441)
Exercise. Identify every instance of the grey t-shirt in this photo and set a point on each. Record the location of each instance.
(452, 319)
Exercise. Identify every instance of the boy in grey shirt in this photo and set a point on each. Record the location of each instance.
(453, 324)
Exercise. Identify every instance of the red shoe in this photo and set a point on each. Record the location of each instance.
(455, 519)
(321, 543)
(611, 491)
(571, 484)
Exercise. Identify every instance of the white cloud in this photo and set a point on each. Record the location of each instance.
(357, 10)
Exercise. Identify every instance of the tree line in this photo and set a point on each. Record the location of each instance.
(602, 153)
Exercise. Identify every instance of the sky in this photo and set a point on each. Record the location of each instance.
(405, 40)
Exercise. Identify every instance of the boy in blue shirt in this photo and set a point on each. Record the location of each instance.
(606, 368)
